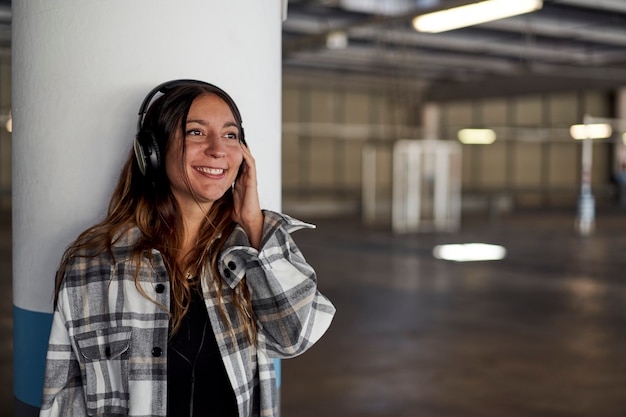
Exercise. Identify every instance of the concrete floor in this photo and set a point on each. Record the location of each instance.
(541, 333)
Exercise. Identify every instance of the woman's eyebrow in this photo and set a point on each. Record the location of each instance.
(199, 121)
(205, 122)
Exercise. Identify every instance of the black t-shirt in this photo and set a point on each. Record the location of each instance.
(195, 368)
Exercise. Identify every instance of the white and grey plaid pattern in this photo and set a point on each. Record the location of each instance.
(108, 344)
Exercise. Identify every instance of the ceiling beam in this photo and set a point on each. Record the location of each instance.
(569, 29)
(509, 86)
(466, 44)
(608, 5)
(318, 40)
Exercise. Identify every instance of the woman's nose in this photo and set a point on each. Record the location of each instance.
(215, 146)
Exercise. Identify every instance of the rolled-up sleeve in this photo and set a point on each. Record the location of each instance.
(290, 312)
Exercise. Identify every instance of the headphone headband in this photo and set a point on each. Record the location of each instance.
(168, 85)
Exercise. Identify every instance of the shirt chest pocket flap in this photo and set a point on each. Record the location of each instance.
(104, 354)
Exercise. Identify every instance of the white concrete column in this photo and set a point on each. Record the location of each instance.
(80, 72)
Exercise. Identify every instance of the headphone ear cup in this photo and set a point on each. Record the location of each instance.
(147, 152)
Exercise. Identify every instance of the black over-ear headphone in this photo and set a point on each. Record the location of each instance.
(146, 147)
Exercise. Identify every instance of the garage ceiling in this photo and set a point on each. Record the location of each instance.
(568, 44)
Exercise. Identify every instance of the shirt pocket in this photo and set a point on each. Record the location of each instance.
(105, 356)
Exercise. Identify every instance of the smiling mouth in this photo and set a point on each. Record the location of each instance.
(210, 171)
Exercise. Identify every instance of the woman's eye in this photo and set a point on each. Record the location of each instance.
(231, 135)
(194, 132)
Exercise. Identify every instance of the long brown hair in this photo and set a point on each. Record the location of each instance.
(147, 202)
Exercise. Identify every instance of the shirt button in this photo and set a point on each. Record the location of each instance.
(107, 352)
(156, 352)
(160, 288)
(227, 273)
(232, 265)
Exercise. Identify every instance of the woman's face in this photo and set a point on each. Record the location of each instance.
(212, 157)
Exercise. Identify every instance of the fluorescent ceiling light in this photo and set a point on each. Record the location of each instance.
(473, 14)
(383, 7)
(468, 252)
(591, 131)
(477, 136)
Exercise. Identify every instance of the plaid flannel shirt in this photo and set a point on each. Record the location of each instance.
(108, 344)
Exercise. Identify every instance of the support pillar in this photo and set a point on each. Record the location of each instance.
(80, 72)
(431, 121)
(619, 163)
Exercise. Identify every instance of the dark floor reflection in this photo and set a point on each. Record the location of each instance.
(541, 333)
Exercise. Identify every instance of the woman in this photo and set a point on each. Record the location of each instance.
(177, 303)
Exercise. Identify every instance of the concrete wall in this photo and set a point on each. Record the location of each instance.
(326, 126)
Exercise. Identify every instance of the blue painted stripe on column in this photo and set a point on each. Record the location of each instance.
(31, 331)
(277, 368)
